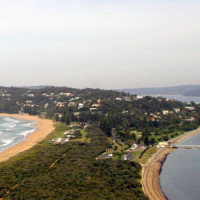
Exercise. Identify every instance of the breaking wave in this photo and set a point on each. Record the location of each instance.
(14, 131)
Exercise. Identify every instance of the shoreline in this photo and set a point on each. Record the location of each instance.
(151, 170)
(43, 127)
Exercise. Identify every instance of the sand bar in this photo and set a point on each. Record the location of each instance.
(151, 170)
(43, 128)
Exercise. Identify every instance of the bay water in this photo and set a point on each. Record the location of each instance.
(181, 98)
(14, 131)
(180, 175)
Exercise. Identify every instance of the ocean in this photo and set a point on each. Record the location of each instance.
(180, 175)
(14, 131)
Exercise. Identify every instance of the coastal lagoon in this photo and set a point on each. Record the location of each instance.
(14, 131)
(180, 176)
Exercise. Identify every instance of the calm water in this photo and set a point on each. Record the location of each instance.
(13, 131)
(180, 176)
(186, 99)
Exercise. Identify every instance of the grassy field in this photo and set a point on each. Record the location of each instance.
(60, 128)
(84, 138)
(145, 156)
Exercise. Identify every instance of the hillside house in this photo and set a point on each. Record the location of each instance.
(118, 99)
(127, 98)
(30, 95)
(191, 108)
(177, 110)
(80, 105)
(72, 104)
(60, 104)
(165, 112)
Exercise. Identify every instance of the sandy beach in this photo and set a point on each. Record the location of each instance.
(43, 128)
(151, 170)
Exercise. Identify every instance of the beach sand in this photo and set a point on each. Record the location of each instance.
(151, 170)
(43, 128)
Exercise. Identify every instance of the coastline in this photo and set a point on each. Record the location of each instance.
(43, 128)
(151, 170)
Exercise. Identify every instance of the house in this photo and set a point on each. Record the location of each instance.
(177, 110)
(67, 133)
(68, 94)
(72, 104)
(30, 95)
(93, 109)
(76, 114)
(118, 99)
(58, 140)
(60, 104)
(126, 98)
(110, 155)
(153, 119)
(165, 112)
(125, 157)
(139, 97)
(191, 108)
(74, 99)
(159, 99)
(191, 119)
(29, 102)
(80, 105)
(96, 105)
(162, 144)
(125, 112)
(99, 101)
(66, 140)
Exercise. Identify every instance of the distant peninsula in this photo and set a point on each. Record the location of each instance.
(185, 90)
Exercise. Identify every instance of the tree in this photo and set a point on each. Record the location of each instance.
(67, 119)
(106, 125)
(146, 140)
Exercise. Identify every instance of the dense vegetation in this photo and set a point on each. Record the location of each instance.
(115, 122)
(76, 174)
(118, 114)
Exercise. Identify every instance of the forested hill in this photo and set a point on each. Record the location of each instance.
(153, 117)
(99, 138)
(190, 90)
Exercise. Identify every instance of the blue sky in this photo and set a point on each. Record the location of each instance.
(105, 44)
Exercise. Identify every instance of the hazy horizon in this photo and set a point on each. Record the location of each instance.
(40, 86)
(100, 44)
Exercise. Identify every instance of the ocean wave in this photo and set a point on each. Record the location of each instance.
(6, 124)
(11, 126)
(13, 131)
(25, 133)
(10, 119)
(6, 142)
(28, 124)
